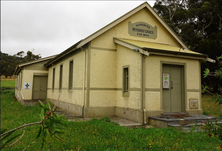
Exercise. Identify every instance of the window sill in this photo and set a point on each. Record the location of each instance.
(125, 94)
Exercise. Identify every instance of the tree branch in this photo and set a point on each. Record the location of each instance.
(20, 128)
(16, 140)
(208, 24)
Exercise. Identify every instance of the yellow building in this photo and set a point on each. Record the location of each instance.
(31, 81)
(134, 68)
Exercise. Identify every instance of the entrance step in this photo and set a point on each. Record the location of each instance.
(184, 121)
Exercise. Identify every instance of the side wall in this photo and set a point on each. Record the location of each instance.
(101, 82)
(73, 99)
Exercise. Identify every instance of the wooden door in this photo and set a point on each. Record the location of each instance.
(40, 87)
(172, 96)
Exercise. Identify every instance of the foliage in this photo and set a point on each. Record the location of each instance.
(213, 129)
(9, 63)
(218, 74)
(199, 24)
(49, 126)
(99, 134)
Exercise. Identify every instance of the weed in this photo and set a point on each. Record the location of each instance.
(213, 129)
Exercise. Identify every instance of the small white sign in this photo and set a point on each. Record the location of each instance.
(166, 77)
(27, 85)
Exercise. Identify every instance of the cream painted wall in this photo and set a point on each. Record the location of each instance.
(74, 96)
(153, 67)
(153, 78)
(102, 98)
(18, 86)
(127, 57)
(152, 101)
(102, 76)
(26, 76)
(193, 95)
(103, 68)
(121, 31)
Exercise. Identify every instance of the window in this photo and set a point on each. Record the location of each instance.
(70, 74)
(60, 77)
(125, 81)
(20, 81)
(53, 78)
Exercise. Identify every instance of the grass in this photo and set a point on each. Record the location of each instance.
(210, 107)
(99, 134)
(7, 83)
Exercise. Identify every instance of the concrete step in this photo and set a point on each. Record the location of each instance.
(185, 122)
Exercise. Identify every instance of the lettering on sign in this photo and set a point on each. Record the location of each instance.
(142, 29)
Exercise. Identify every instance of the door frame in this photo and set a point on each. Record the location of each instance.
(184, 83)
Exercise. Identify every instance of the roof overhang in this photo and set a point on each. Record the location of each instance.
(149, 48)
(20, 66)
(63, 54)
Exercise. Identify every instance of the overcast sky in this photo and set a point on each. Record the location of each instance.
(49, 27)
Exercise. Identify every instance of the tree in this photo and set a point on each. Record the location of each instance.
(217, 97)
(199, 24)
(30, 56)
(9, 63)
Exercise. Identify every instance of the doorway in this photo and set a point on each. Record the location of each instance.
(173, 91)
(39, 88)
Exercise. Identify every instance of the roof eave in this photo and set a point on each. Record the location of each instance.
(175, 54)
(62, 54)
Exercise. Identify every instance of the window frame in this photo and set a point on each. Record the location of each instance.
(53, 78)
(60, 76)
(126, 83)
(71, 66)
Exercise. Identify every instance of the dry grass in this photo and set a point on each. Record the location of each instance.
(210, 107)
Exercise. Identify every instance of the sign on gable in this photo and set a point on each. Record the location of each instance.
(142, 29)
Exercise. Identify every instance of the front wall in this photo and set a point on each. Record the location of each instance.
(126, 57)
(152, 101)
(103, 68)
(153, 82)
(121, 31)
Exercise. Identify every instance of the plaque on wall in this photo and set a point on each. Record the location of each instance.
(193, 104)
(142, 29)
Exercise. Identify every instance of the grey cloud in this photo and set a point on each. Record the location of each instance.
(51, 27)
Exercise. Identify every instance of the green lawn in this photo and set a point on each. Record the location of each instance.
(7, 83)
(99, 134)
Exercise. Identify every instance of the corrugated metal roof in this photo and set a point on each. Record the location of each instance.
(157, 46)
(19, 67)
